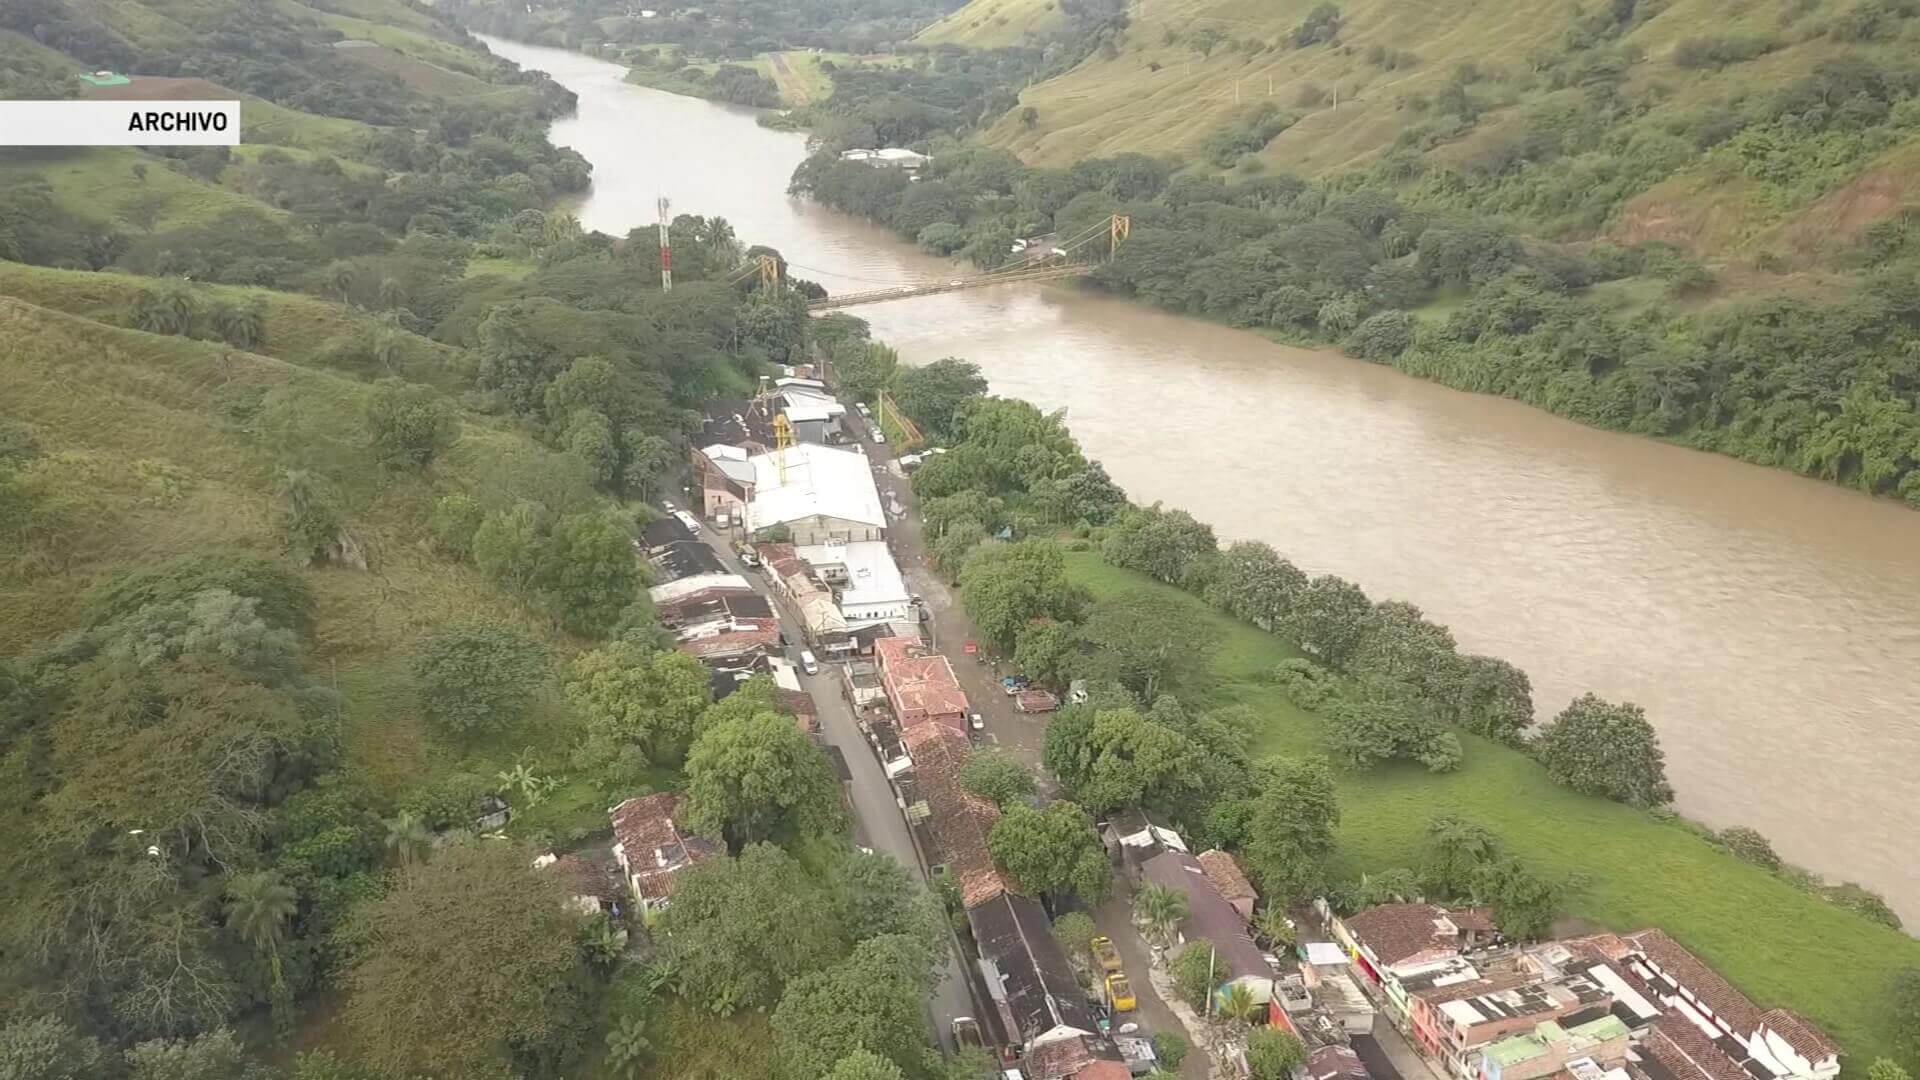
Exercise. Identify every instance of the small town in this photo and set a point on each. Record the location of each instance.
(785, 562)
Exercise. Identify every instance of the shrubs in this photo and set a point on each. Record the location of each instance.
(1382, 337)
(1749, 846)
(1719, 50)
(478, 676)
(1247, 134)
(1599, 748)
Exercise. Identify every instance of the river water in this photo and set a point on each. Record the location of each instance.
(1769, 624)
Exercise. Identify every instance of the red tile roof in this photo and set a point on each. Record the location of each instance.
(1226, 875)
(734, 642)
(1080, 1057)
(1688, 970)
(1807, 1041)
(920, 684)
(960, 819)
(1396, 932)
(654, 846)
(587, 878)
(1687, 1052)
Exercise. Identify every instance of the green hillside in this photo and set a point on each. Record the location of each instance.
(1533, 73)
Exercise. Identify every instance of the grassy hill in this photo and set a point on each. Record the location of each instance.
(156, 446)
(1781, 945)
(1187, 69)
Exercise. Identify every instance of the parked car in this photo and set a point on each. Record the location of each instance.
(722, 519)
(864, 411)
(1105, 954)
(879, 436)
(1013, 684)
(807, 662)
(1120, 993)
(976, 723)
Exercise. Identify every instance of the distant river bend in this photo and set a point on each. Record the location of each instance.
(1769, 624)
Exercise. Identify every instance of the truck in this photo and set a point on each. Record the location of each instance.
(1104, 953)
(1035, 701)
(1120, 993)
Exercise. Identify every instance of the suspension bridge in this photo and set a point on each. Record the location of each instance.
(1074, 256)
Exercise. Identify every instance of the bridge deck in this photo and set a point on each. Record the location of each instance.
(981, 281)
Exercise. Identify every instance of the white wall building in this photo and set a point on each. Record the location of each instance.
(821, 494)
(863, 573)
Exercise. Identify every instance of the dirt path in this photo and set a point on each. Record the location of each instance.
(790, 83)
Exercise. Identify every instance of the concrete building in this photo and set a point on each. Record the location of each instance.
(1769, 1044)
(1389, 944)
(1211, 918)
(1456, 1022)
(819, 493)
(726, 477)
(813, 413)
(921, 686)
(864, 578)
(1028, 977)
(1550, 1048)
(891, 157)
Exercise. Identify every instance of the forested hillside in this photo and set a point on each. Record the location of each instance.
(321, 461)
(1669, 218)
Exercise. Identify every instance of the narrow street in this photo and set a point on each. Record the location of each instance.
(1114, 919)
(878, 822)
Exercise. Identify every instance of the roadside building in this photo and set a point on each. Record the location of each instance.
(813, 413)
(725, 476)
(921, 686)
(1229, 881)
(956, 819)
(675, 553)
(1767, 1044)
(1550, 1048)
(651, 848)
(867, 584)
(1132, 838)
(1455, 1023)
(890, 157)
(1389, 943)
(818, 493)
(1212, 918)
(862, 683)
(1027, 975)
(1077, 1057)
(1335, 1062)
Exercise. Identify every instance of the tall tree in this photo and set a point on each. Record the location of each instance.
(1290, 828)
(739, 929)
(1151, 639)
(1330, 618)
(997, 776)
(1007, 586)
(476, 926)
(1159, 909)
(1273, 1054)
(259, 906)
(651, 702)
(759, 778)
(933, 394)
(1600, 748)
(410, 425)
(1126, 759)
(1054, 851)
(872, 1001)
(48, 1048)
(479, 676)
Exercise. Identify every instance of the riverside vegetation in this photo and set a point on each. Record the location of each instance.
(320, 465)
(1342, 745)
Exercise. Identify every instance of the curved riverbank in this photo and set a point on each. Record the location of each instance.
(1770, 624)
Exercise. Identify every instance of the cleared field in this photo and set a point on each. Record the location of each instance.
(1779, 944)
(95, 183)
(987, 24)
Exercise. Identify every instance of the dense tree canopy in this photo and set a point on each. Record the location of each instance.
(476, 923)
(758, 777)
(1290, 826)
(1054, 850)
(1605, 749)
(479, 676)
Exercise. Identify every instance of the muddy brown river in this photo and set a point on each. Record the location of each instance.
(1769, 624)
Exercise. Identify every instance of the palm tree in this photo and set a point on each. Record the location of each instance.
(1273, 926)
(1159, 910)
(258, 908)
(1237, 1005)
(628, 1046)
(407, 835)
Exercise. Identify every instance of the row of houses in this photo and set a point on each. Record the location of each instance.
(1636, 1006)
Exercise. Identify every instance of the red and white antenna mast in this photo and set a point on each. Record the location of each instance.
(666, 249)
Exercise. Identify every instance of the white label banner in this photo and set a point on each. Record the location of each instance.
(119, 123)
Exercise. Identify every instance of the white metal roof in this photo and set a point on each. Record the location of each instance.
(820, 480)
(686, 586)
(731, 461)
(872, 577)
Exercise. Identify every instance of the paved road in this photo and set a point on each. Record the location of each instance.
(878, 823)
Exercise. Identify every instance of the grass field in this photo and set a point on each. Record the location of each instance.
(300, 329)
(1779, 944)
(987, 24)
(93, 183)
(156, 446)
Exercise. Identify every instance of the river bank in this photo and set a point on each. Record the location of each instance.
(1770, 624)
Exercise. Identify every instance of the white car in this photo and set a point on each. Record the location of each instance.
(880, 437)
(976, 723)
